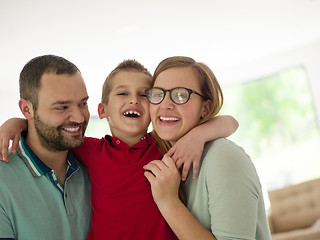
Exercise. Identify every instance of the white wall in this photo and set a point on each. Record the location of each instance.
(307, 56)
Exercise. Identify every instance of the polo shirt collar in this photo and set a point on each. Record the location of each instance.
(35, 165)
(118, 143)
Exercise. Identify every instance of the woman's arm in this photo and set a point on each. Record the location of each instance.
(188, 149)
(165, 180)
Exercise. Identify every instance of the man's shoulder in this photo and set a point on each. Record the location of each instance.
(15, 160)
(13, 170)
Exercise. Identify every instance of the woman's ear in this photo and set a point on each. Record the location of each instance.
(102, 111)
(206, 108)
(26, 108)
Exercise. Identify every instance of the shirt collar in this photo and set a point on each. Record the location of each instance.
(35, 165)
(118, 143)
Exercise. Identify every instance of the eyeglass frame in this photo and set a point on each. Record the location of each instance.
(190, 91)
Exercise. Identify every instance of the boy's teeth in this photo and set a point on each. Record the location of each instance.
(132, 112)
(169, 119)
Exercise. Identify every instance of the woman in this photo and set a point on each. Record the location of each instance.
(226, 201)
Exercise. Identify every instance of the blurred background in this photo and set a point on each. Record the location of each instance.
(265, 54)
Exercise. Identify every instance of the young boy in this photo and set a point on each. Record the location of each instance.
(122, 203)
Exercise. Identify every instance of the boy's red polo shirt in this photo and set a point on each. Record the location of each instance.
(122, 203)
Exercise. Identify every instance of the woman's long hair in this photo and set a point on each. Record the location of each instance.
(209, 86)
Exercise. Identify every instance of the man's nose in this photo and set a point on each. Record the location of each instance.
(76, 116)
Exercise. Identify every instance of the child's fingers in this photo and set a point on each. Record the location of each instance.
(168, 161)
(15, 144)
(179, 163)
(4, 151)
(185, 171)
(173, 154)
(195, 170)
(171, 151)
(3, 156)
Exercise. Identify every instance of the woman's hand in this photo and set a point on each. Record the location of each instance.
(164, 178)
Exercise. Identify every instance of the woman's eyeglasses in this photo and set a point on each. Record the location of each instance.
(179, 95)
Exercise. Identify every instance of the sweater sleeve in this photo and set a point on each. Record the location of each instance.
(234, 190)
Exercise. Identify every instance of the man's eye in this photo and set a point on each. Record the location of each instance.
(62, 108)
(84, 104)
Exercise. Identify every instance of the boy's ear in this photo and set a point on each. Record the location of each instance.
(26, 108)
(207, 106)
(102, 111)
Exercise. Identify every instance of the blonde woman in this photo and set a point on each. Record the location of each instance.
(226, 200)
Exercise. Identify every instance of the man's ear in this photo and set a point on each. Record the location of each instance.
(26, 108)
(102, 110)
(207, 106)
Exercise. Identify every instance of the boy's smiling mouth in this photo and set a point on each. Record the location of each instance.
(132, 114)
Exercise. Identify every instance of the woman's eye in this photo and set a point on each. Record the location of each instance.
(122, 94)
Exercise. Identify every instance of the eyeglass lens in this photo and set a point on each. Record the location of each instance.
(177, 95)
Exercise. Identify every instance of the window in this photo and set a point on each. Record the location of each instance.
(278, 126)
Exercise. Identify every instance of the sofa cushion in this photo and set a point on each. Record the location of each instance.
(296, 206)
(301, 234)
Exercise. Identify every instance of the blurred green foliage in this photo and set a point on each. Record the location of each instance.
(273, 112)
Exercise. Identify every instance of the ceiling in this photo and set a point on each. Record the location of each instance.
(96, 35)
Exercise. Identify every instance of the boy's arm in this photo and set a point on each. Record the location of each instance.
(11, 130)
(188, 149)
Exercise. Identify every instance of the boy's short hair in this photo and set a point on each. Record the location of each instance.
(30, 76)
(126, 65)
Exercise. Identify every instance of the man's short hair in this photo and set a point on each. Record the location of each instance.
(30, 76)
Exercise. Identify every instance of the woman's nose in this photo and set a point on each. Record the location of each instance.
(167, 102)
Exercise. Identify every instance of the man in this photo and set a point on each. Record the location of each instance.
(44, 191)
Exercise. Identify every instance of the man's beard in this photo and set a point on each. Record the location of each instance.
(52, 138)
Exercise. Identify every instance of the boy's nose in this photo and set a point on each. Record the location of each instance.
(134, 100)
